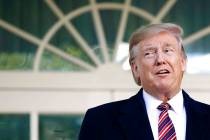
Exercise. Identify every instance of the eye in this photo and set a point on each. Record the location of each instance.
(149, 53)
(168, 50)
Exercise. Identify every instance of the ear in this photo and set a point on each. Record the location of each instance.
(183, 64)
(135, 72)
(134, 67)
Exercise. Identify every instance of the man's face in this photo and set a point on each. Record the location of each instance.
(160, 63)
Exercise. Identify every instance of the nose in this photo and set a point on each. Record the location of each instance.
(160, 59)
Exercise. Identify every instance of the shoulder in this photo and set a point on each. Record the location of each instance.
(203, 107)
(99, 118)
(108, 109)
(111, 111)
(196, 105)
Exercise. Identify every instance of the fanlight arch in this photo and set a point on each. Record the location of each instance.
(65, 21)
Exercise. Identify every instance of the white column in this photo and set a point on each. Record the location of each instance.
(34, 123)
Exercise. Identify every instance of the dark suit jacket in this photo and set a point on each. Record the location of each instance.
(128, 120)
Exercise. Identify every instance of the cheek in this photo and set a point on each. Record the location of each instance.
(146, 67)
(180, 65)
(146, 70)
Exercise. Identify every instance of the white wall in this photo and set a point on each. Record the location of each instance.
(73, 93)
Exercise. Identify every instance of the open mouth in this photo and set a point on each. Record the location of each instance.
(163, 72)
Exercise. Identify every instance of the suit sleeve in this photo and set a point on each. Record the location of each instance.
(90, 127)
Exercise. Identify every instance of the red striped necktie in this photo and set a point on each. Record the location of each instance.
(166, 130)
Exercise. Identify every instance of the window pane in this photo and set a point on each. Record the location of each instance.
(14, 127)
(59, 127)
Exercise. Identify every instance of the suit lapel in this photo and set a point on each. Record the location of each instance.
(195, 119)
(135, 123)
(134, 120)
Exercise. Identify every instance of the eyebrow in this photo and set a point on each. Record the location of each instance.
(148, 44)
(152, 45)
(166, 43)
(149, 47)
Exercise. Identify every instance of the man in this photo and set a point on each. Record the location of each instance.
(161, 110)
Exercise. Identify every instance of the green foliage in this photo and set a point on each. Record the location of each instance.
(16, 61)
(55, 63)
(49, 61)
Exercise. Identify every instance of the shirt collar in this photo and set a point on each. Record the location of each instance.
(177, 102)
(151, 102)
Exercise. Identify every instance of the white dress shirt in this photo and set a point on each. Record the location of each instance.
(177, 114)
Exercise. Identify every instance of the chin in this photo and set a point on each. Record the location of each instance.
(163, 87)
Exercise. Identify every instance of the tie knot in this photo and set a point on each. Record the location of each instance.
(164, 106)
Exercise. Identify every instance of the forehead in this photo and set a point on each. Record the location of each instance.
(160, 38)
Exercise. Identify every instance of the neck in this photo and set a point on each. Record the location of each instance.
(163, 95)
